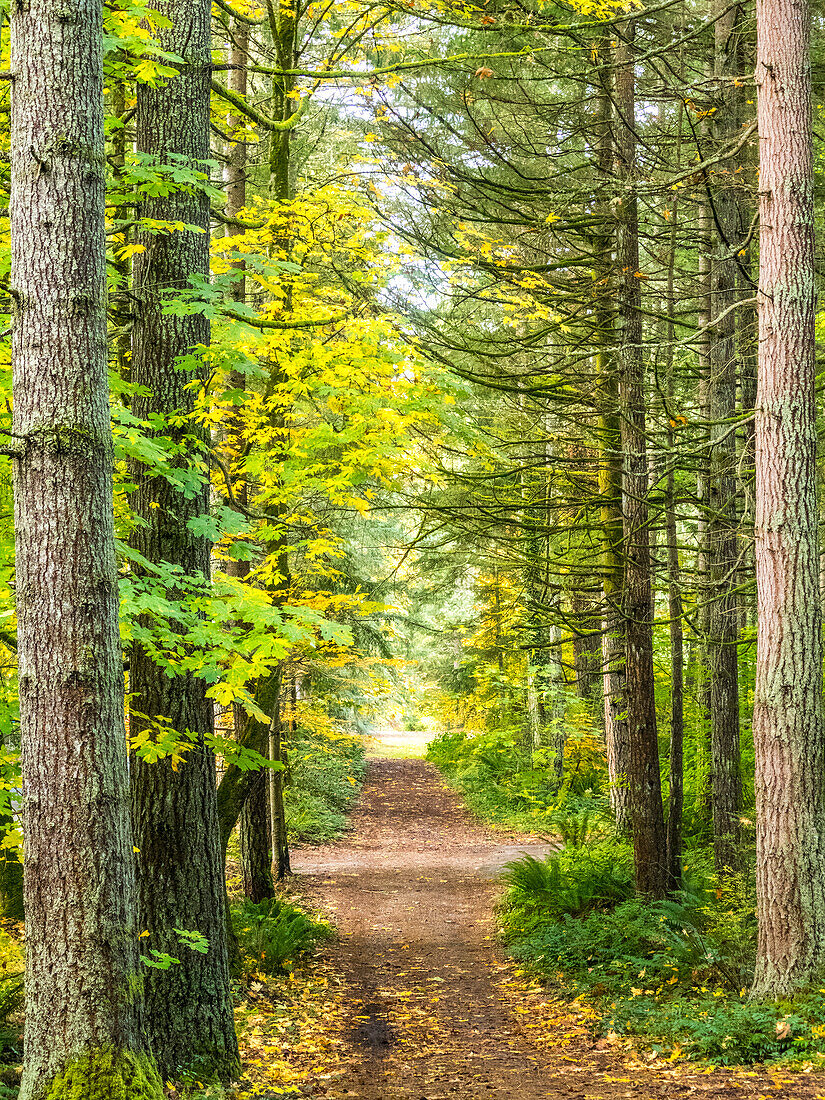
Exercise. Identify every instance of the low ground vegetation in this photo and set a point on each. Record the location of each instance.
(674, 975)
(326, 768)
(275, 934)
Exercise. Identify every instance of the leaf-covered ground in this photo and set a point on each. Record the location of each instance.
(416, 1002)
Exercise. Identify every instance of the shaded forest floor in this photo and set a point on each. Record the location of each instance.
(415, 1000)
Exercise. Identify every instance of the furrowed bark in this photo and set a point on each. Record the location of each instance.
(788, 722)
(83, 979)
(181, 875)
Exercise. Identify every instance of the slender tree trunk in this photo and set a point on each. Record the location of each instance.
(703, 678)
(277, 828)
(677, 716)
(676, 798)
(256, 873)
(788, 721)
(236, 783)
(181, 876)
(282, 18)
(586, 646)
(610, 468)
(253, 822)
(722, 518)
(644, 783)
(83, 1026)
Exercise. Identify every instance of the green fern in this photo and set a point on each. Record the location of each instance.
(274, 934)
(571, 882)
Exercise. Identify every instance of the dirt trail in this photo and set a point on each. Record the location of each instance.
(435, 1011)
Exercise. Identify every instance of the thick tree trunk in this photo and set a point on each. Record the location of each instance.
(188, 1007)
(83, 1022)
(788, 722)
(643, 780)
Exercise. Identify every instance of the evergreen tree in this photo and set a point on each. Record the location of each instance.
(84, 1030)
(788, 720)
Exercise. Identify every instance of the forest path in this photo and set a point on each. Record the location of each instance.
(431, 1009)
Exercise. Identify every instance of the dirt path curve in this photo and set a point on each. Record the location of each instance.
(436, 1013)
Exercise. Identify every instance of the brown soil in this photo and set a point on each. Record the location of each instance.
(432, 1010)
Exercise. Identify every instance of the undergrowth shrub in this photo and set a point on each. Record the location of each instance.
(571, 882)
(730, 1031)
(273, 934)
(11, 1008)
(11, 1011)
(326, 768)
(508, 784)
(673, 973)
(730, 928)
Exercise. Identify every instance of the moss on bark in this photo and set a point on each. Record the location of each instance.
(107, 1075)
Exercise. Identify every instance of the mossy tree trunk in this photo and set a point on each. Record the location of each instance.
(181, 874)
(82, 980)
(610, 452)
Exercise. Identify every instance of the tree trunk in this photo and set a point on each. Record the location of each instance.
(277, 810)
(722, 518)
(676, 798)
(610, 467)
(254, 835)
(703, 675)
(677, 717)
(643, 780)
(788, 722)
(587, 646)
(83, 1024)
(236, 783)
(253, 822)
(181, 876)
